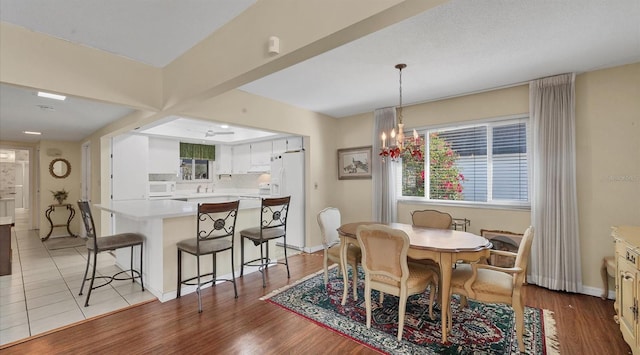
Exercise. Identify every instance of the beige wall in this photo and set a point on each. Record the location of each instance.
(608, 159)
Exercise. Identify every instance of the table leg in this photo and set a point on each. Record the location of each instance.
(47, 214)
(72, 212)
(445, 299)
(343, 266)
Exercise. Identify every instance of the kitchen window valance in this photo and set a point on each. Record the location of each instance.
(197, 151)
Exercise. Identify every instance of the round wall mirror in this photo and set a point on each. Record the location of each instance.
(60, 168)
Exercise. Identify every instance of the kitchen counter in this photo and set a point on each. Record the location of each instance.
(172, 207)
(166, 222)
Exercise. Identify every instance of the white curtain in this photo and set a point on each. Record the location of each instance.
(383, 173)
(555, 255)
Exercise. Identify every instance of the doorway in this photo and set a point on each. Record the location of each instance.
(15, 183)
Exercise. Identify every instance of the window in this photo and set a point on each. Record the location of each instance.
(194, 169)
(482, 163)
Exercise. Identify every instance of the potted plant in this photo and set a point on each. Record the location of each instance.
(60, 195)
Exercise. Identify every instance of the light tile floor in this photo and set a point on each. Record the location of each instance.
(41, 294)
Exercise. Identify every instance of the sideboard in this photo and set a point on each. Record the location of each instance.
(627, 244)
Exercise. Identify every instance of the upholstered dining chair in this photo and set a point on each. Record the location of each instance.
(273, 225)
(431, 219)
(493, 284)
(329, 221)
(97, 245)
(386, 269)
(216, 225)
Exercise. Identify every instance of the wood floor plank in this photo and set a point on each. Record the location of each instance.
(248, 326)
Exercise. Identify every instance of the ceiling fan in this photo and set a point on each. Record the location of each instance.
(212, 133)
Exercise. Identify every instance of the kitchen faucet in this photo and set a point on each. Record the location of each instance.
(198, 189)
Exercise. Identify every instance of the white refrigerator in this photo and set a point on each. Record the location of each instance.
(287, 179)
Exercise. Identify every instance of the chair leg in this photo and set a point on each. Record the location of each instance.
(213, 269)
(367, 302)
(325, 266)
(198, 287)
(179, 274)
(401, 310)
(86, 270)
(93, 277)
(519, 313)
(286, 261)
(133, 279)
(264, 262)
(241, 256)
(432, 298)
(605, 279)
(141, 280)
(233, 275)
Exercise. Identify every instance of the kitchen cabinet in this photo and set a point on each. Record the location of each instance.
(164, 156)
(224, 159)
(129, 167)
(627, 241)
(7, 207)
(294, 143)
(260, 157)
(241, 158)
(287, 144)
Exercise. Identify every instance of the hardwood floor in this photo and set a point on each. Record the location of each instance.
(248, 326)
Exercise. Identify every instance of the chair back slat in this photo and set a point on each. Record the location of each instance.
(274, 212)
(524, 250)
(217, 220)
(87, 219)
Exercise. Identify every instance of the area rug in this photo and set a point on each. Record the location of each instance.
(477, 329)
(64, 242)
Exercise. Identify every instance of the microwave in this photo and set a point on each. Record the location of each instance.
(161, 188)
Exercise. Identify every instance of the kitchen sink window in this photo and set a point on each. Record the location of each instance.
(194, 169)
(195, 161)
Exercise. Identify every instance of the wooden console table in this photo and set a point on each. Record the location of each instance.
(51, 209)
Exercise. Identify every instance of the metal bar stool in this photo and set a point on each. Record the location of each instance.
(107, 243)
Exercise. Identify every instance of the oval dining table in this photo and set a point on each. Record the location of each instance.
(444, 246)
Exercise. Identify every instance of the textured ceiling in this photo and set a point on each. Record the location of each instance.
(457, 48)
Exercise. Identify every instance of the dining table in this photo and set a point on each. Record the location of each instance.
(444, 246)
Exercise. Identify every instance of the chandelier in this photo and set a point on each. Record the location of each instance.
(399, 146)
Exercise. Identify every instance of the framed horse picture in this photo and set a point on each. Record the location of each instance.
(354, 163)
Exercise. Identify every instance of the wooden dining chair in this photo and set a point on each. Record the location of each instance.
(329, 221)
(272, 225)
(386, 269)
(216, 225)
(431, 219)
(493, 284)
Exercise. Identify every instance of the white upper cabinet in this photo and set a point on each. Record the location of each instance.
(164, 156)
(260, 156)
(224, 159)
(129, 157)
(241, 158)
(294, 143)
(279, 146)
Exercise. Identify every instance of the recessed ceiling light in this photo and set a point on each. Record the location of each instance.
(32, 132)
(51, 96)
(225, 126)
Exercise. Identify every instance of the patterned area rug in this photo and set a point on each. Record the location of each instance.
(477, 329)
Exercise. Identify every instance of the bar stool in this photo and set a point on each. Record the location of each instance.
(107, 243)
(216, 225)
(273, 225)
